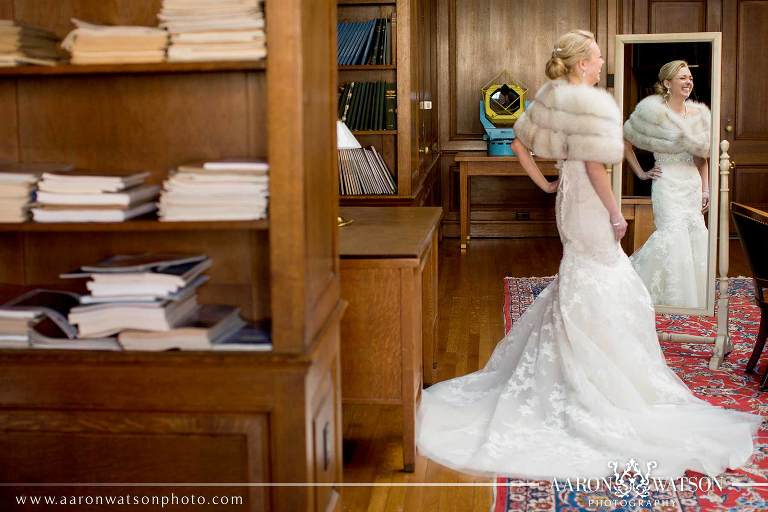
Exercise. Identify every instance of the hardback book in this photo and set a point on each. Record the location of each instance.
(89, 181)
(235, 164)
(91, 214)
(208, 323)
(391, 106)
(127, 198)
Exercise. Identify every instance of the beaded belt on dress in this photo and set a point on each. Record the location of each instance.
(666, 158)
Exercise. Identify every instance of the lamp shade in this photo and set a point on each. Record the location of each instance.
(344, 137)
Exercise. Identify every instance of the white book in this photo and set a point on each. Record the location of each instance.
(107, 215)
(219, 37)
(175, 27)
(172, 216)
(226, 165)
(148, 57)
(185, 55)
(92, 182)
(217, 177)
(127, 197)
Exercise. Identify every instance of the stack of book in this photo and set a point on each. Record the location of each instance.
(113, 44)
(21, 44)
(204, 30)
(369, 105)
(226, 190)
(16, 191)
(365, 43)
(152, 292)
(17, 186)
(92, 197)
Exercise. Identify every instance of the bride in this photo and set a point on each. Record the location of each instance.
(580, 381)
(673, 261)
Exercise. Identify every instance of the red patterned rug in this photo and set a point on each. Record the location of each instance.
(728, 387)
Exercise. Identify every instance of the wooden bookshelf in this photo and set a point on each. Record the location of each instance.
(185, 417)
(403, 149)
(119, 69)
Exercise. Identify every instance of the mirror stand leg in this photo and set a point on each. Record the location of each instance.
(723, 343)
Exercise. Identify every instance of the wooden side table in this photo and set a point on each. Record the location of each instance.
(477, 163)
(389, 277)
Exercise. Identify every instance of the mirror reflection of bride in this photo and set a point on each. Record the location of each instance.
(673, 261)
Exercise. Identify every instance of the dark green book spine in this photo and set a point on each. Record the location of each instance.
(391, 105)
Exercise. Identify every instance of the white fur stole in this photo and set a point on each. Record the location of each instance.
(572, 122)
(654, 127)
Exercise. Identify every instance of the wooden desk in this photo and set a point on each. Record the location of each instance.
(477, 163)
(389, 277)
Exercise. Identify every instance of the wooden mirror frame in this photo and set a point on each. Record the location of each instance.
(719, 164)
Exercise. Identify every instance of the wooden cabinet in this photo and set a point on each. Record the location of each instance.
(388, 335)
(411, 152)
(185, 417)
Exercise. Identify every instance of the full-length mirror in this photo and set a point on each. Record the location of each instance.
(668, 88)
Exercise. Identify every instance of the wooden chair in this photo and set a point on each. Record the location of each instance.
(752, 226)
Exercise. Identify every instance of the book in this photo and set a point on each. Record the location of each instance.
(209, 322)
(108, 214)
(86, 181)
(127, 198)
(248, 338)
(241, 165)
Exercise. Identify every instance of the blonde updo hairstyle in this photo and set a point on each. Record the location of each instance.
(667, 72)
(572, 47)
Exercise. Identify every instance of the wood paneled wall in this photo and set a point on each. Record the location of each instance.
(478, 38)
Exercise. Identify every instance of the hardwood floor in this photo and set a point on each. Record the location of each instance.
(470, 325)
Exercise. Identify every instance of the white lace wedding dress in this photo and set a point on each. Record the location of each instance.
(673, 261)
(580, 380)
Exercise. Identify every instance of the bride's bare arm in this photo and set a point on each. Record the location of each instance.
(629, 154)
(531, 168)
(601, 182)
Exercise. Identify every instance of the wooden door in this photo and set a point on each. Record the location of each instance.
(745, 105)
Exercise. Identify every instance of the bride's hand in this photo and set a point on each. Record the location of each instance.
(619, 226)
(704, 200)
(552, 186)
(653, 174)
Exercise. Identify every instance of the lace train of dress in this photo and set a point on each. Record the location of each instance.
(580, 380)
(673, 261)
